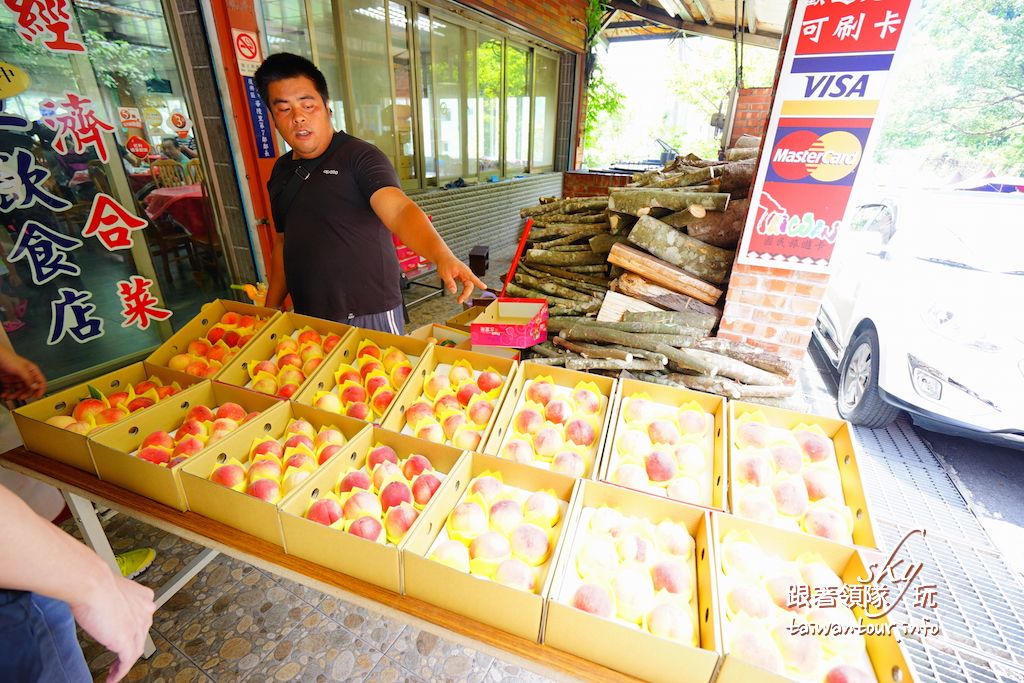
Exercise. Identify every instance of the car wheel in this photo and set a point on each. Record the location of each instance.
(859, 400)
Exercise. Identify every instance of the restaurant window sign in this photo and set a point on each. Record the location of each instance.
(833, 78)
(105, 239)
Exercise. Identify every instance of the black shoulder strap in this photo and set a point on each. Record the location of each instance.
(283, 194)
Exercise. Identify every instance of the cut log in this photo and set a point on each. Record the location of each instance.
(588, 270)
(592, 350)
(737, 175)
(615, 305)
(547, 219)
(747, 140)
(701, 260)
(555, 258)
(620, 222)
(572, 205)
(694, 319)
(645, 290)
(721, 229)
(713, 364)
(560, 360)
(729, 388)
(566, 305)
(662, 273)
(694, 177)
(602, 244)
(632, 200)
(546, 349)
(751, 355)
(644, 327)
(552, 288)
(557, 323)
(692, 161)
(640, 353)
(571, 275)
(610, 364)
(740, 153)
(578, 285)
(603, 335)
(563, 229)
(568, 247)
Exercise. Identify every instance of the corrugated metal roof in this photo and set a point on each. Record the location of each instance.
(761, 22)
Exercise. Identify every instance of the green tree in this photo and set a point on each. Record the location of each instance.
(603, 114)
(706, 78)
(957, 98)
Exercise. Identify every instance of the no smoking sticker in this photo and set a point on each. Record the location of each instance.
(247, 51)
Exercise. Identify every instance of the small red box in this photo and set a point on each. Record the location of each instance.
(515, 323)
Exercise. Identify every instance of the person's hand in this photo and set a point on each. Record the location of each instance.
(118, 616)
(452, 272)
(20, 378)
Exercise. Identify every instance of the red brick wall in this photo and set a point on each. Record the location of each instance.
(562, 22)
(752, 109)
(772, 308)
(584, 184)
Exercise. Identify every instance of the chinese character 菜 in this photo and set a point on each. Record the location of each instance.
(21, 183)
(46, 252)
(138, 305)
(46, 19)
(82, 124)
(72, 314)
(111, 223)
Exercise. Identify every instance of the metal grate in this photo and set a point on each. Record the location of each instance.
(980, 604)
(935, 665)
(917, 497)
(898, 439)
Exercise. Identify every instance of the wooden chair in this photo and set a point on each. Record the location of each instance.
(168, 239)
(98, 175)
(168, 173)
(194, 171)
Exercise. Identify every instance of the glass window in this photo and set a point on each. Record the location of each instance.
(366, 51)
(469, 94)
(449, 79)
(517, 109)
(74, 295)
(428, 117)
(285, 25)
(489, 69)
(325, 55)
(545, 109)
(401, 64)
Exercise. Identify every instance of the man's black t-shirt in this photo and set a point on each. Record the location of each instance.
(339, 260)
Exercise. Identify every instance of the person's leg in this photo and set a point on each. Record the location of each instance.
(391, 321)
(58, 642)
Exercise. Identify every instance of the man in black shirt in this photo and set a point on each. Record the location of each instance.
(334, 199)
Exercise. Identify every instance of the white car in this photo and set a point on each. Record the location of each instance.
(925, 313)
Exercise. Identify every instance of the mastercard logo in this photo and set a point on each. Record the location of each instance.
(825, 158)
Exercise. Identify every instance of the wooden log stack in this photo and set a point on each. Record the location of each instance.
(635, 280)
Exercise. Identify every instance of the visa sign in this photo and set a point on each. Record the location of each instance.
(832, 86)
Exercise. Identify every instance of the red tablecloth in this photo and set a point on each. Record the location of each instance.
(136, 181)
(183, 203)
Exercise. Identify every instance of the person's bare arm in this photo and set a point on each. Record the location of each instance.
(403, 217)
(277, 285)
(20, 378)
(43, 559)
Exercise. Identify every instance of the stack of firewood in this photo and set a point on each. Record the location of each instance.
(669, 238)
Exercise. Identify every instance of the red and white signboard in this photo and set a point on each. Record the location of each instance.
(130, 117)
(138, 146)
(180, 123)
(833, 79)
(247, 51)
